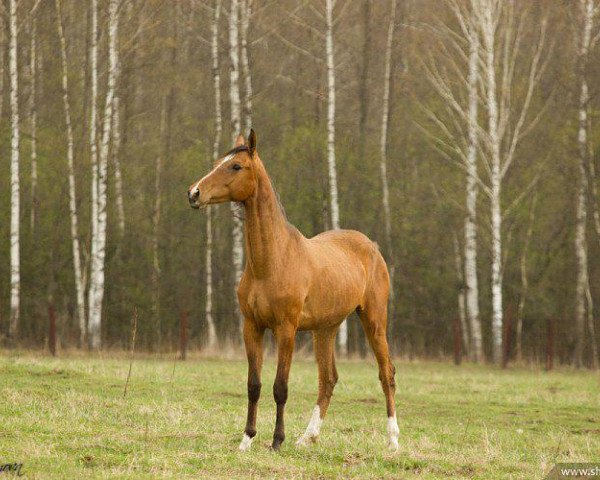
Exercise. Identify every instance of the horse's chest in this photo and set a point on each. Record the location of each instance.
(266, 303)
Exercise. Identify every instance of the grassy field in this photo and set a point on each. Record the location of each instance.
(67, 418)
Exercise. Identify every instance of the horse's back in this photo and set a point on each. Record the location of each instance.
(350, 243)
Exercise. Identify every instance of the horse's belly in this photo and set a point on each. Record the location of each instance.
(332, 298)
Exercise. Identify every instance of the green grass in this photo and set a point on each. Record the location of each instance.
(67, 418)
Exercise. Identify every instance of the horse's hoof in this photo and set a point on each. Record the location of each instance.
(393, 445)
(276, 444)
(245, 443)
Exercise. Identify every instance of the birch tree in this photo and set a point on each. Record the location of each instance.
(75, 247)
(501, 31)
(212, 332)
(460, 132)
(235, 110)
(245, 14)
(331, 164)
(472, 190)
(15, 207)
(363, 80)
(385, 197)
(98, 260)
(583, 299)
(33, 122)
(94, 166)
(116, 148)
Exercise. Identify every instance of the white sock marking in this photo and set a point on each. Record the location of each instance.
(245, 443)
(313, 429)
(393, 433)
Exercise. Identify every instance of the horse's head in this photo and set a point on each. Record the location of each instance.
(232, 178)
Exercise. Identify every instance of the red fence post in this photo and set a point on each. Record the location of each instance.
(183, 334)
(52, 329)
(549, 344)
(457, 341)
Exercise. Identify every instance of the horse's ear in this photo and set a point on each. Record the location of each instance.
(239, 141)
(252, 142)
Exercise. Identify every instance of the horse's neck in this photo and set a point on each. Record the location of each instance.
(266, 231)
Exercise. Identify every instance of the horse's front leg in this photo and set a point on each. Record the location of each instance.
(253, 337)
(285, 335)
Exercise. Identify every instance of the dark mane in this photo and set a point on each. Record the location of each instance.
(241, 148)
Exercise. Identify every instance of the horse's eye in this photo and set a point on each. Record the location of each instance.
(237, 166)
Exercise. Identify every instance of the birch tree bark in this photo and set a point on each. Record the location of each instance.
(583, 303)
(15, 207)
(363, 81)
(385, 197)
(333, 189)
(33, 123)
(234, 98)
(98, 260)
(94, 165)
(470, 226)
(212, 332)
(75, 247)
(245, 13)
(329, 51)
(488, 23)
(116, 148)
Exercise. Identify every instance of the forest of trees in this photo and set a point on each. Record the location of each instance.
(459, 134)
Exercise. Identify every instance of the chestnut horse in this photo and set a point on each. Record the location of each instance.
(292, 283)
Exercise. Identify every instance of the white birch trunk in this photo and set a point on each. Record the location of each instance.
(33, 124)
(234, 97)
(98, 260)
(246, 11)
(582, 284)
(79, 280)
(470, 227)
(212, 331)
(15, 269)
(116, 147)
(333, 189)
(488, 29)
(385, 195)
(93, 160)
(580, 236)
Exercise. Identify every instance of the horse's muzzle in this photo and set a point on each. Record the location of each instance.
(193, 196)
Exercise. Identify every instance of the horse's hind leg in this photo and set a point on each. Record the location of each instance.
(374, 320)
(324, 342)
